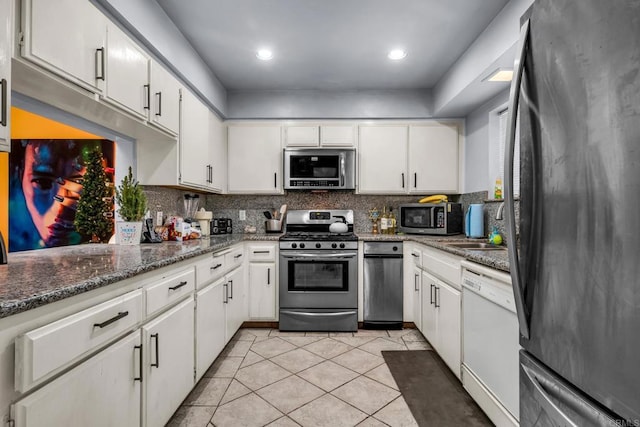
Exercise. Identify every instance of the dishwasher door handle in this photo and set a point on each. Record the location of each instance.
(394, 256)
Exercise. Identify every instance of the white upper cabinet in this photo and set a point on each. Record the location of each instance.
(413, 159)
(195, 168)
(254, 159)
(301, 136)
(217, 154)
(67, 37)
(164, 92)
(337, 136)
(383, 159)
(433, 158)
(127, 79)
(319, 136)
(6, 32)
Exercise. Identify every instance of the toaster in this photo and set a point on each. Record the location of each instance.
(221, 226)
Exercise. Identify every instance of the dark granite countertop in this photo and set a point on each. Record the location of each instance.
(35, 278)
(494, 259)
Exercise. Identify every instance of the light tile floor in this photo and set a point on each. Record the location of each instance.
(265, 377)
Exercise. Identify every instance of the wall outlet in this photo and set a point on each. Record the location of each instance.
(159, 218)
(242, 215)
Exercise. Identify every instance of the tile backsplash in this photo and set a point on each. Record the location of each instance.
(170, 202)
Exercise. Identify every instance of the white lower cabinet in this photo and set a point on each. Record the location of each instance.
(441, 319)
(263, 287)
(417, 297)
(168, 362)
(210, 324)
(102, 391)
(236, 302)
(262, 290)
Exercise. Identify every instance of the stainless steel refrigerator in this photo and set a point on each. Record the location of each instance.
(576, 272)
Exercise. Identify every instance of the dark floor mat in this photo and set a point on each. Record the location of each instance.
(434, 395)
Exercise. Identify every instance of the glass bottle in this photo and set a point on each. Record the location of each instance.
(384, 221)
(392, 221)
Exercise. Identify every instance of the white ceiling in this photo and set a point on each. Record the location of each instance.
(330, 44)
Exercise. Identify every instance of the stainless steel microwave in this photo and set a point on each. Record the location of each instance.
(319, 169)
(430, 218)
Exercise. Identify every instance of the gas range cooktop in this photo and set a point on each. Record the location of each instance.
(309, 229)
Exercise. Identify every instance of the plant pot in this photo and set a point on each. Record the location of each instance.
(128, 233)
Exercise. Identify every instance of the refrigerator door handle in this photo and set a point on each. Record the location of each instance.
(550, 408)
(514, 265)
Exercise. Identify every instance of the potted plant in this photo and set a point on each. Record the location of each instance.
(132, 205)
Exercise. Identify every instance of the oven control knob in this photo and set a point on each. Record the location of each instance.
(301, 245)
(318, 245)
(294, 245)
(341, 245)
(334, 245)
(395, 248)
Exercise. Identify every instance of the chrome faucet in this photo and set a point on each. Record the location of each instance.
(499, 215)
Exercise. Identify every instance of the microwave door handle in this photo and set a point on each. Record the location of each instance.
(342, 170)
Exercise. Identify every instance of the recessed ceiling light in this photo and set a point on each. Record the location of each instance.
(264, 54)
(500, 75)
(397, 54)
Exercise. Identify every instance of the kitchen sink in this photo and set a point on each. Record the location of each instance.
(476, 246)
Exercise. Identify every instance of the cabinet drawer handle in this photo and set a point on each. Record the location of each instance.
(260, 252)
(147, 90)
(226, 293)
(402, 179)
(115, 318)
(237, 256)
(178, 286)
(159, 96)
(437, 299)
(415, 282)
(100, 54)
(414, 254)
(157, 364)
(231, 287)
(3, 103)
(268, 276)
(138, 347)
(215, 267)
(431, 293)
(415, 180)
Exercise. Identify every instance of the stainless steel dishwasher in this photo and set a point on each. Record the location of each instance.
(382, 285)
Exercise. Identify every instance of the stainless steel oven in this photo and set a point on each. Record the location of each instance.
(318, 275)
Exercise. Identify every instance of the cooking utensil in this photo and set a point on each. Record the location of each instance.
(267, 215)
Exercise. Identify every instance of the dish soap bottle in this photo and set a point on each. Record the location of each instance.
(497, 190)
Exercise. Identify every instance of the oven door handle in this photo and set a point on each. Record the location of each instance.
(308, 314)
(316, 256)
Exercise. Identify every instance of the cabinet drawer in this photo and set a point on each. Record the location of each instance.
(210, 269)
(416, 256)
(441, 264)
(259, 253)
(169, 290)
(234, 258)
(43, 351)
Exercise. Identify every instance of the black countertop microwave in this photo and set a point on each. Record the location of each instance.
(430, 218)
(319, 169)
